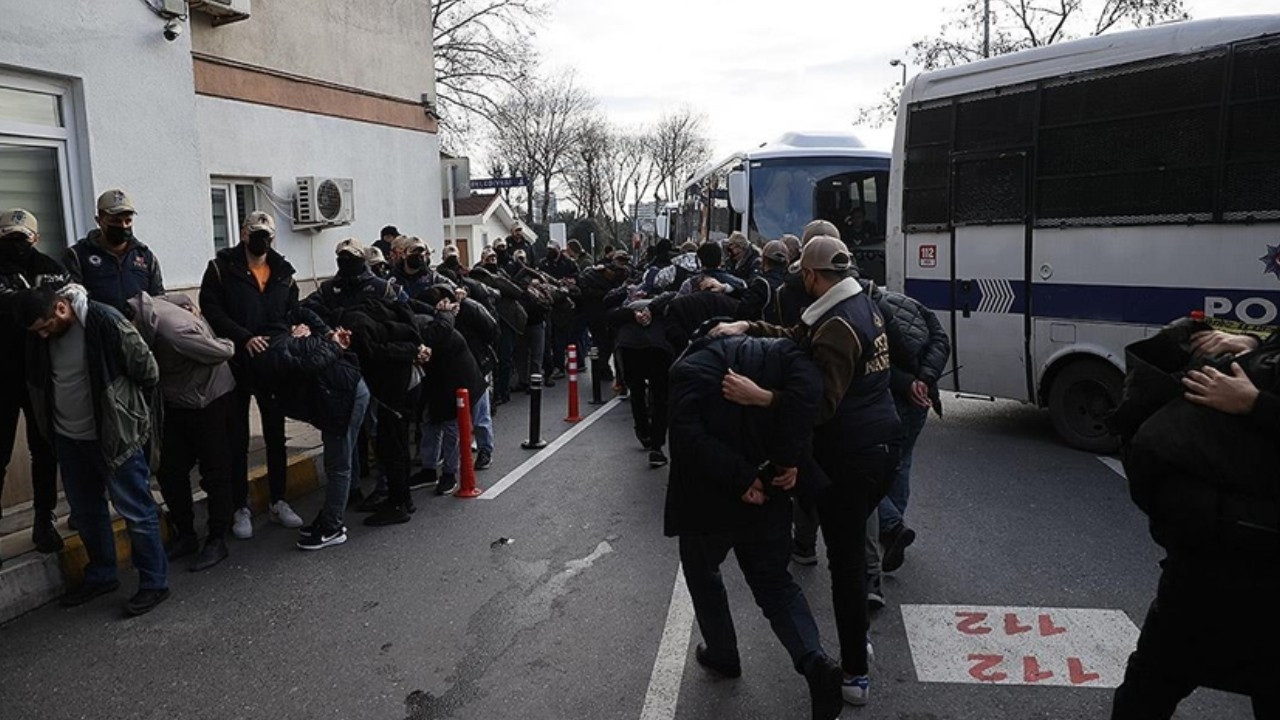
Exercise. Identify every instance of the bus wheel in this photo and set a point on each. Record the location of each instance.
(1081, 398)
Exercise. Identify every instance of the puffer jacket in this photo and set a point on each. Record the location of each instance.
(385, 338)
(717, 446)
(686, 313)
(312, 379)
(122, 375)
(919, 348)
(631, 334)
(452, 367)
(193, 361)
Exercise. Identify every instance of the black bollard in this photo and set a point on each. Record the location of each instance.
(535, 441)
(594, 355)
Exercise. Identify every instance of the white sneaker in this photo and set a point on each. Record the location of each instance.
(871, 651)
(242, 524)
(284, 515)
(856, 690)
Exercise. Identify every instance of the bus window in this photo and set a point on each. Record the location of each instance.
(786, 194)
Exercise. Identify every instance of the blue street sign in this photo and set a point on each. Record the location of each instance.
(491, 183)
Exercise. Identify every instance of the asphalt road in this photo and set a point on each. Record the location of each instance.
(440, 619)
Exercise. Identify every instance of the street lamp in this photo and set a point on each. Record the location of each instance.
(898, 63)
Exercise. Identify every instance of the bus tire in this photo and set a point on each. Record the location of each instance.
(1083, 394)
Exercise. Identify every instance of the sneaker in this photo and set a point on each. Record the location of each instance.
(548, 382)
(44, 534)
(855, 689)
(424, 478)
(448, 485)
(372, 502)
(145, 601)
(483, 460)
(875, 595)
(895, 545)
(656, 458)
(214, 552)
(557, 374)
(284, 515)
(871, 651)
(183, 545)
(824, 677)
(804, 556)
(242, 524)
(322, 536)
(388, 513)
(723, 668)
(85, 593)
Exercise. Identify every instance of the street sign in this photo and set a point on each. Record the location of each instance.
(495, 183)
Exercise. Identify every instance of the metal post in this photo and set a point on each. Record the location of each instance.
(535, 441)
(573, 415)
(986, 28)
(594, 354)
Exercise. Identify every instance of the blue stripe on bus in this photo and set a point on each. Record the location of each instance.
(1106, 303)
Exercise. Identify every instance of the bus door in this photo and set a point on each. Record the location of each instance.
(989, 239)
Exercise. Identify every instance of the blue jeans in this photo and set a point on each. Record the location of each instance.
(86, 479)
(339, 457)
(439, 446)
(894, 504)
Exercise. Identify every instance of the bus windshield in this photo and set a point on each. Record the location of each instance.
(788, 193)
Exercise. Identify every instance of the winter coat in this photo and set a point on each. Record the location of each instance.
(736, 284)
(631, 334)
(193, 361)
(122, 376)
(385, 338)
(452, 367)
(111, 278)
(417, 283)
(748, 267)
(20, 271)
(760, 300)
(311, 379)
(344, 292)
(685, 314)
(510, 311)
(919, 347)
(717, 446)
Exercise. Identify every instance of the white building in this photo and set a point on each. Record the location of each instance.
(482, 220)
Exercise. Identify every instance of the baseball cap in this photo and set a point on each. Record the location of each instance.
(350, 246)
(819, 227)
(258, 220)
(621, 257)
(775, 251)
(114, 202)
(405, 242)
(823, 252)
(19, 220)
(374, 256)
(450, 251)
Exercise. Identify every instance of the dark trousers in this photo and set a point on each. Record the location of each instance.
(1186, 644)
(506, 358)
(393, 452)
(648, 371)
(44, 467)
(763, 550)
(272, 435)
(194, 436)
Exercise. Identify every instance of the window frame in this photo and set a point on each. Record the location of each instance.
(228, 185)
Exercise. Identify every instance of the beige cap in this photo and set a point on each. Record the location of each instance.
(819, 227)
(19, 220)
(258, 220)
(450, 251)
(737, 238)
(114, 202)
(403, 242)
(374, 256)
(823, 253)
(350, 246)
(775, 251)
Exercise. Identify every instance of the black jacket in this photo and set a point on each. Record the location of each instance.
(919, 347)
(760, 299)
(686, 313)
(113, 279)
(507, 297)
(631, 334)
(717, 446)
(312, 379)
(385, 337)
(19, 272)
(452, 367)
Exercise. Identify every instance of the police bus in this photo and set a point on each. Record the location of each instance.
(1056, 204)
(782, 185)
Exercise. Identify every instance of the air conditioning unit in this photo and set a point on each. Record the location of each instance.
(323, 201)
(224, 11)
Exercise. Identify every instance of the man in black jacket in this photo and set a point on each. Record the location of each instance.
(732, 466)
(22, 266)
(760, 299)
(110, 262)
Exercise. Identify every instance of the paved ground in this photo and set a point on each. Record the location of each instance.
(438, 619)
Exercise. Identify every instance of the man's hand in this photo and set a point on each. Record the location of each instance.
(460, 294)
(727, 329)
(1214, 343)
(446, 306)
(920, 395)
(256, 345)
(644, 317)
(786, 478)
(424, 355)
(712, 285)
(742, 390)
(754, 494)
(342, 337)
(1234, 394)
(300, 331)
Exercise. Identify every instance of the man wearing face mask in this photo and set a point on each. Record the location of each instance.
(412, 271)
(110, 262)
(351, 285)
(22, 266)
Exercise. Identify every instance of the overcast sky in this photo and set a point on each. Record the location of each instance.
(758, 68)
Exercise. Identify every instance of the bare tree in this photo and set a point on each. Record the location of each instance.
(633, 177)
(590, 167)
(678, 146)
(1019, 25)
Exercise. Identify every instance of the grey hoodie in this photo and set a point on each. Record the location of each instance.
(192, 360)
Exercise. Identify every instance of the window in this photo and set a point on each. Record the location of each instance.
(1251, 177)
(36, 160)
(232, 201)
(926, 190)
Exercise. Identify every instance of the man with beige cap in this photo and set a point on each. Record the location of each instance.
(22, 266)
(110, 262)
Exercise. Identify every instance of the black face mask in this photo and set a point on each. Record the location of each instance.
(350, 265)
(14, 245)
(116, 236)
(491, 266)
(382, 270)
(259, 243)
(415, 261)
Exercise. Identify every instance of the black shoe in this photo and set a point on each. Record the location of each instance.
(183, 545)
(825, 678)
(354, 498)
(803, 555)
(724, 668)
(875, 595)
(145, 601)
(448, 485)
(85, 593)
(656, 458)
(424, 478)
(895, 545)
(388, 513)
(548, 382)
(323, 535)
(372, 502)
(214, 552)
(45, 535)
(643, 436)
(483, 460)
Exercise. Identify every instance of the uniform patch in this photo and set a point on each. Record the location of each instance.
(1272, 260)
(95, 260)
(140, 261)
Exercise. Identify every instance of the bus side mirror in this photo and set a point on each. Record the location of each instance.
(661, 225)
(738, 191)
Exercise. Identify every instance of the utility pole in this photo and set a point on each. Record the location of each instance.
(986, 28)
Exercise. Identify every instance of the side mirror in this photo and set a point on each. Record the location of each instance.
(738, 191)
(662, 224)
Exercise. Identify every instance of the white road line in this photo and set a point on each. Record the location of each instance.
(1115, 465)
(528, 465)
(668, 669)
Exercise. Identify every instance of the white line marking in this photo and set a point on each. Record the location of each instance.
(528, 465)
(668, 669)
(1116, 466)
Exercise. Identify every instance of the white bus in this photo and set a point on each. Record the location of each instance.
(782, 185)
(1056, 204)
